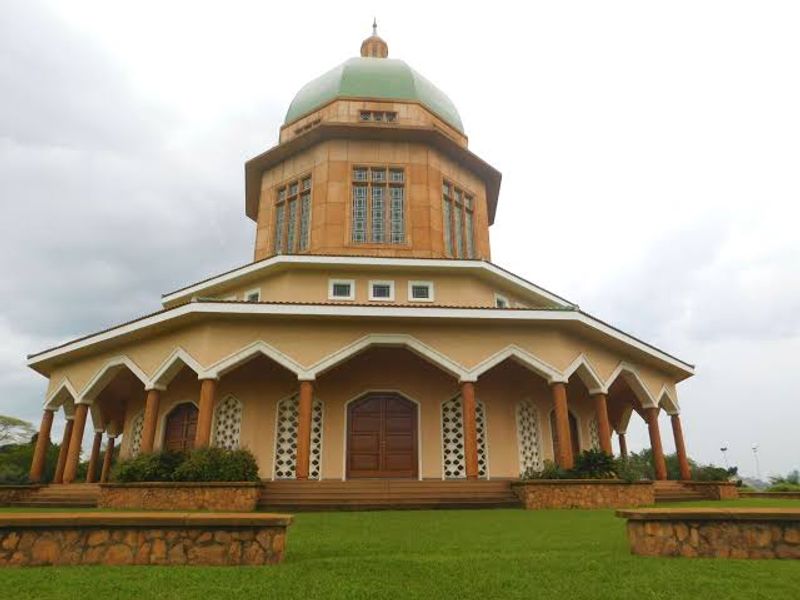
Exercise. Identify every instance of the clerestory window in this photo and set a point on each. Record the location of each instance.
(458, 220)
(378, 209)
(293, 217)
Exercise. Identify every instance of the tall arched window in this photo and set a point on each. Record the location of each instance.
(285, 465)
(453, 455)
(530, 451)
(573, 433)
(228, 423)
(181, 427)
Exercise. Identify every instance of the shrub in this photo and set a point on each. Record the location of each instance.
(713, 473)
(593, 464)
(155, 466)
(790, 483)
(549, 470)
(630, 470)
(15, 462)
(217, 464)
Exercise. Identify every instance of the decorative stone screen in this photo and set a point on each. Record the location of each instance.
(453, 456)
(136, 434)
(286, 439)
(530, 450)
(594, 435)
(228, 423)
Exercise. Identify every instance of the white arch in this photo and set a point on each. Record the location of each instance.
(587, 373)
(522, 356)
(171, 366)
(104, 376)
(388, 340)
(631, 376)
(64, 394)
(669, 400)
(240, 357)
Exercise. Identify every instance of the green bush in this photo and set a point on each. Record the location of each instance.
(713, 473)
(203, 464)
(789, 483)
(15, 462)
(217, 464)
(155, 466)
(549, 470)
(594, 464)
(784, 487)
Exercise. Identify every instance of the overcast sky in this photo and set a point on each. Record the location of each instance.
(650, 154)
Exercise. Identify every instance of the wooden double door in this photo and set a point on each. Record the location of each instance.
(382, 437)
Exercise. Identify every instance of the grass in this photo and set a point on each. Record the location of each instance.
(569, 555)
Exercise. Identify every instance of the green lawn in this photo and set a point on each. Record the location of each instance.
(569, 555)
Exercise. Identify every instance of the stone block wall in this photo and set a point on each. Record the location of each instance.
(13, 493)
(714, 490)
(696, 534)
(584, 493)
(141, 539)
(179, 496)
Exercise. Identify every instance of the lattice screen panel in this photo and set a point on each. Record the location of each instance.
(228, 423)
(594, 434)
(136, 434)
(453, 456)
(286, 439)
(530, 450)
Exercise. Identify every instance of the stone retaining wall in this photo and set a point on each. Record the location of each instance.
(783, 495)
(714, 533)
(583, 493)
(180, 496)
(13, 493)
(714, 490)
(34, 539)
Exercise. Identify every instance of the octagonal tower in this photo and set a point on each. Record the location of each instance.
(372, 160)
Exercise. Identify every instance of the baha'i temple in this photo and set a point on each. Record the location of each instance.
(371, 336)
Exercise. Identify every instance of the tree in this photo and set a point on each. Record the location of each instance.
(15, 431)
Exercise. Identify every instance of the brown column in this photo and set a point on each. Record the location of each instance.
(304, 429)
(107, 458)
(208, 391)
(680, 448)
(42, 444)
(91, 471)
(74, 452)
(564, 456)
(150, 420)
(623, 445)
(603, 426)
(470, 429)
(62, 452)
(660, 466)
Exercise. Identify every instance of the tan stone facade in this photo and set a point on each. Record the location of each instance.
(222, 497)
(581, 493)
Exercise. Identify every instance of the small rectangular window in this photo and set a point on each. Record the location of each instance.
(420, 291)
(379, 175)
(500, 301)
(391, 117)
(381, 290)
(252, 296)
(396, 175)
(360, 174)
(365, 115)
(293, 189)
(341, 289)
(306, 183)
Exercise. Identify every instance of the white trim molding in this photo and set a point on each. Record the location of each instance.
(63, 393)
(230, 362)
(587, 374)
(669, 400)
(438, 264)
(428, 284)
(171, 367)
(104, 376)
(381, 282)
(523, 357)
(402, 340)
(333, 281)
(631, 376)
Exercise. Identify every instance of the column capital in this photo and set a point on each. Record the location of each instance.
(309, 377)
(156, 387)
(206, 377)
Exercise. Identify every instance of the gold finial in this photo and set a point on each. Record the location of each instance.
(374, 46)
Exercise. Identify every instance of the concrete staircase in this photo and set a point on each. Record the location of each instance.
(675, 491)
(59, 495)
(375, 494)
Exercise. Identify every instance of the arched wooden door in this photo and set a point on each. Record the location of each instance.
(181, 427)
(382, 437)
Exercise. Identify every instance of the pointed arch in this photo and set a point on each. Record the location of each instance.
(411, 343)
(104, 376)
(249, 352)
(171, 367)
(669, 400)
(631, 376)
(522, 356)
(64, 394)
(587, 373)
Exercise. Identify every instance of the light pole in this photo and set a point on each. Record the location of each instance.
(724, 450)
(755, 455)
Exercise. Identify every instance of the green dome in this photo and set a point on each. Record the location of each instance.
(379, 78)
